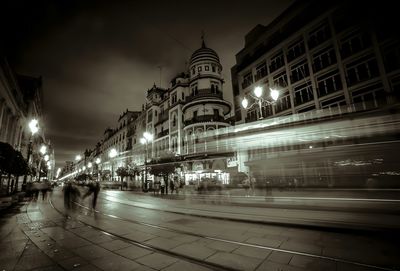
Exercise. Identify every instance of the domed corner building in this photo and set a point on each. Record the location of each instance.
(186, 117)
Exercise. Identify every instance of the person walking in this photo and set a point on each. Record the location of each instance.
(246, 186)
(253, 185)
(94, 188)
(71, 195)
(44, 188)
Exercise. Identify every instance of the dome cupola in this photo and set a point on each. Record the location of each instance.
(204, 54)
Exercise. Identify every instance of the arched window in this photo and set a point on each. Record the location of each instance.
(174, 120)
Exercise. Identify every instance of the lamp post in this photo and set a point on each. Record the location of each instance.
(43, 151)
(34, 128)
(98, 161)
(257, 96)
(145, 140)
(112, 153)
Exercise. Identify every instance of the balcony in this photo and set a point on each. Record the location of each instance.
(205, 118)
(163, 133)
(201, 93)
(162, 117)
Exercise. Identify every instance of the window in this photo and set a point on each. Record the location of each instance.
(199, 68)
(214, 87)
(174, 121)
(247, 80)
(280, 79)
(183, 96)
(303, 93)
(194, 115)
(319, 35)
(283, 103)
(324, 58)
(334, 103)
(174, 98)
(149, 116)
(207, 68)
(213, 68)
(277, 62)
(354, 43)
(369, 97)
(299, 71)
(155, 112)
(194, 89)
(216, 112)
(261, 71)
(362, 69)
(193, 71)
(295, 50)
(329, 83)
(305, 109)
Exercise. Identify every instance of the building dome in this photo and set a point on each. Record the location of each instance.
(204, 54)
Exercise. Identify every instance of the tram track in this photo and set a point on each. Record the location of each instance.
(320, 225)
(206, 263)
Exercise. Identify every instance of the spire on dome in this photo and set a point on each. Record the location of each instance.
(203, 43)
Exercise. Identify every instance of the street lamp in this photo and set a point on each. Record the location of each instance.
(112, 153)
(257, 96)
(98, 161)
(43, 156)
(34, 128)
(145, 140)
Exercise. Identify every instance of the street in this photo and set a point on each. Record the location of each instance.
(131, 231)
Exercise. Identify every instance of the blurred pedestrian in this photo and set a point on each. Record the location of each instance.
(94, 188)
(246, 186)
(71, 195)
(44, 189)
(253, 185)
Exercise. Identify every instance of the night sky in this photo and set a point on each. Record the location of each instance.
(98, 58)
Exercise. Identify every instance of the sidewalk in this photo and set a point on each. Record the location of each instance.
(8, 201)
(39, 238)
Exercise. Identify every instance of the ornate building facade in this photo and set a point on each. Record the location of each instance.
(179, 118)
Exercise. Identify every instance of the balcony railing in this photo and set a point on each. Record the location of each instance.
(162, 117)
(163, 133)
(205, 118)
(204, 93)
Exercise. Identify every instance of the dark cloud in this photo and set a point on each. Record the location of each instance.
(98, 58)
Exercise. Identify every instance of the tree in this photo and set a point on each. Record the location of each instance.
(11, 163)
(162, 167)
(122, 172)
(19, 167)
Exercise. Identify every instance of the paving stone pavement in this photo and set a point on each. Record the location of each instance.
(38, 233)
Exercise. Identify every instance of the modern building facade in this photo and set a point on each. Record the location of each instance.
(320, 57)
